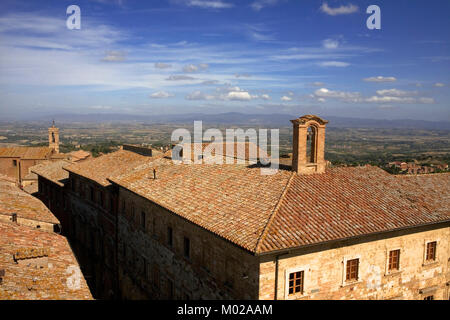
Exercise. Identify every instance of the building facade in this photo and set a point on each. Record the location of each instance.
(224, 231)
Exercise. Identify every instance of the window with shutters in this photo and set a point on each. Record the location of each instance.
(394, 260)
(352, 270)
(431, 251)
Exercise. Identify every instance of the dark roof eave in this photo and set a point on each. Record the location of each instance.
(288, 250)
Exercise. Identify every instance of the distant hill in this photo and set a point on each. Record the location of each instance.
(235, 118)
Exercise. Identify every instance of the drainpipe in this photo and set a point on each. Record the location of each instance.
(276, 277)
(277, 258)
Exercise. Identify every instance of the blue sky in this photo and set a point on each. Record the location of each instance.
(215, 56)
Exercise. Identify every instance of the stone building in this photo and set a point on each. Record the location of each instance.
(21, 208)
(80, 195)
(35, 261)
(16, 162)
(308, 231)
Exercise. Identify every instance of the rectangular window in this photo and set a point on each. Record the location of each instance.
(154, 226)
(111, 204)
(156, 276)
(296, 282)
(143, 222)
(169, 236)
(431, 251)
(187, 248)
(207, 257)
(15, 163)
(352, 270)
(169, 289)
(394, 260)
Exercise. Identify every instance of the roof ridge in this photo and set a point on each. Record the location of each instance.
(273, 214)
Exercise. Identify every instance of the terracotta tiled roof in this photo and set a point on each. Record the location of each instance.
(79, 155)
(238, 150)
(108, 165)
(14, 200)
(262, 213)
(350, 202)
(37, 266)
(233, 201)
(26, 152)
(53, 171)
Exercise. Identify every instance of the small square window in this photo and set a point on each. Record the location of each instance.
(352, 270)
(296, 282)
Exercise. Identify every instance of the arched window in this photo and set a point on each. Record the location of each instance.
(53, 137)
(311, 141)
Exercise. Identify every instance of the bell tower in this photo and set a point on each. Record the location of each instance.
(308, 154)
(53, 137)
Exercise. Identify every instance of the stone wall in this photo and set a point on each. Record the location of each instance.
(92, 231)
(324, 269)
(149, 268)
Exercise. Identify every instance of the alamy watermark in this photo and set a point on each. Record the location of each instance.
(73, 282)
(239, 147)
(74, 20)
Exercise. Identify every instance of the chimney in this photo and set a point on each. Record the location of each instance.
(308, 154)
(154, 174)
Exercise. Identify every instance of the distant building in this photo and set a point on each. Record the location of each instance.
(15, 162)
(79, 155)
(179, 231)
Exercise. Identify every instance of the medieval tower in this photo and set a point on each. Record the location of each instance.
(53, 137)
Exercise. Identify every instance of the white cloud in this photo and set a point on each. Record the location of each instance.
(338, 64)
(162, 65)
(260, 4)
(395, 93)
(161, 95)
(179, 78)
(198, 95)
(239, 95)
(208, 4)
(380, 79)
(387, 99)
(439, 84)
(426, 100)
(101, 107)
(324, 93)
(114, 56)
(191, 68)
(243, 75)
(330, 44)
(225, 94)
(265, 97)
(383, 96)
(210, 82)
(286, 98)
(348, 9)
